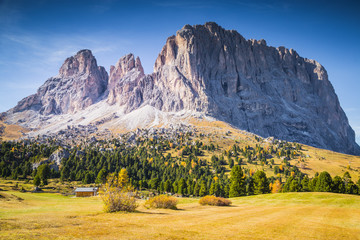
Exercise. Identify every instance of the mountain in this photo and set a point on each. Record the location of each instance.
(79, 84)
(203, 71)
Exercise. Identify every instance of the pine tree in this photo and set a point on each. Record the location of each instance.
(324, 182)
(37, 180)
(261, 183)
(203, 189)
(190, 185)
(295, 186)
(338, 185)
(211, 190)
(217, 189)
(167, 186)
(312, 184)
(101, 177)
(305, 184)
(249, 186)
(181, 187)
(237, 182)
(231, 162)
(44, 173)
(196, 189)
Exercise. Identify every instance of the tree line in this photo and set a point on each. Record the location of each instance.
(150, 166)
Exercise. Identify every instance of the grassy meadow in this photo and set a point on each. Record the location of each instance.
(270, 216)
(51, 215)
(317, 159)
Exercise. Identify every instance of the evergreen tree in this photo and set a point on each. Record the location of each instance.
(190, 186)
(37, 180)
(88, 178)
(305, 184)
(203, 189)
(182, 187)
(237, 182)
(351, 188)
(261, 183)
(324, 182)
(286, 186)
(312, 184)
(167, 186)
(217, 189)
(211, 190)
(162, 187)
(249, 186)
(196, 189)
(154, 183)
(43, 172)
(295, 186)
(101, 177)
(338, 185)
(231, 163)
(175, 186)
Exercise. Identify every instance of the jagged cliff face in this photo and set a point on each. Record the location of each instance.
(80, 83)
(265, 90)
(207, 69)
(124, 82)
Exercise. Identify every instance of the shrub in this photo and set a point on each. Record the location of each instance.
(119, 200)
(118, 194)
(214, 201)
(161, 201)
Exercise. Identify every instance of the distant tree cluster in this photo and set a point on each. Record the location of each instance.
(17, 158)
(322, 182)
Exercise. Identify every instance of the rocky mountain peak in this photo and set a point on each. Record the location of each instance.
(79, 84)
(125, 64)
(124, 77)
(82, 63)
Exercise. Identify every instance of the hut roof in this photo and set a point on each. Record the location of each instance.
(84, 189)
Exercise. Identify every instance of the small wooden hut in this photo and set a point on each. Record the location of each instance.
(86, 192)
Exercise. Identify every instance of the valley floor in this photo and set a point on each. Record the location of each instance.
(271, 216)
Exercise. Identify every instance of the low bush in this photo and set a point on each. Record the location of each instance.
(118, 194)
(161, 201)
(214, 201)
(119, 200)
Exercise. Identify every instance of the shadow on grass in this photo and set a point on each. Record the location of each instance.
(230, 206)
(176, 209)
(151, 213)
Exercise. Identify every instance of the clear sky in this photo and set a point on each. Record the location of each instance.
(37, 36)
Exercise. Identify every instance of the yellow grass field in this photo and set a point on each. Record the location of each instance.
(12, 132)
(271, 216)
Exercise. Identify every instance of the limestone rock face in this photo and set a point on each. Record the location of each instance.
(124, 82)
(265, 90)
(58, 156)
(79, 84)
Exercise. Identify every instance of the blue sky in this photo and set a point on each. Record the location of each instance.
(37, 36)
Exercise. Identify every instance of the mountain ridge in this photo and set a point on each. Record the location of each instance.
(208, 71)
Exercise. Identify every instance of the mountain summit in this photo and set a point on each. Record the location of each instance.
(204, 70)
(79, 84)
